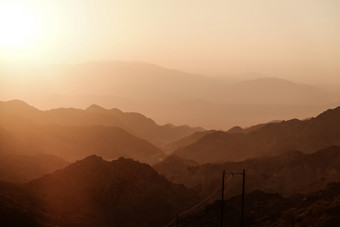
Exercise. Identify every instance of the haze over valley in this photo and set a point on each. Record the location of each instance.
(166, 95)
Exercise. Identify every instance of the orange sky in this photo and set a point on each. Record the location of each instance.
(291, 39)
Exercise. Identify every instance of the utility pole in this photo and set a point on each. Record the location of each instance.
(243, 185)
(243, 193)
(222, 199)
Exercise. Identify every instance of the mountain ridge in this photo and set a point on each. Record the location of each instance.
(272, 138)
(25, 137)
(135, 123)
(286, 173)
(169, 95)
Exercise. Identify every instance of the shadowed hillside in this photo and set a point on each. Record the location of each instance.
(95, 192)
(74, 142)
(269, 139)
(270, 209)
(287, 173)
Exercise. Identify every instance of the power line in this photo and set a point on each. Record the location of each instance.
(194, 207)
(243, 173)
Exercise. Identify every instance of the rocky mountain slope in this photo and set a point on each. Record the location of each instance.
(321, 208)
(274, 138)
(94, 192)
(287, 173)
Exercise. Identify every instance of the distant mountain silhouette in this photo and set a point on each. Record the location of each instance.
(238, 129)
(168, 95)
(24, 168)
(94, 192)
(288, 173)
(271, 209)
(270, 139)
(134, 123)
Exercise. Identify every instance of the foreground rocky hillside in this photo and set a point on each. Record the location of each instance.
(321, 208)
(94, 192)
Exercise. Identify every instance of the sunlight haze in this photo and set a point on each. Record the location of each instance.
(169, 113)
(170, 59)
(290, 39)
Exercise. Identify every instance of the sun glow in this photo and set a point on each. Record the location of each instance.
(20, 26)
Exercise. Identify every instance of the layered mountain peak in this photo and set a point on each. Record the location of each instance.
(235, 129)
(15, 103)
(95, 108)
(16, 107)
(95, 169)
(116, 110)
(134, 123)
(330, 114)
(94, 163)
(111, 192)
(91, 159)
(267, 139)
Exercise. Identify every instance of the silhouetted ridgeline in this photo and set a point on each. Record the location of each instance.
(170, 147)
(134, 123)
(278, 158)
(288, 173)
(94, 192)
(74, 134)
(270, 139)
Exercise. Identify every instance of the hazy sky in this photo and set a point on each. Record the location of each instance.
(295, 39)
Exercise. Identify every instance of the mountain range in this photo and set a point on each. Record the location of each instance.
(134, 123)
(168, 95)
(74, 133)
(299, 159)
